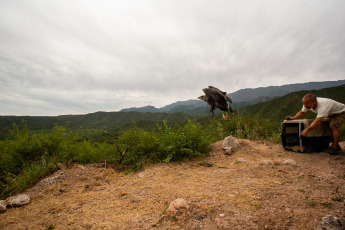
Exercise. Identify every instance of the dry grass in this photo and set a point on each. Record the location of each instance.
(259, 193)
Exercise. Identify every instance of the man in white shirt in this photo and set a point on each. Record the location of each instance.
(324, 107)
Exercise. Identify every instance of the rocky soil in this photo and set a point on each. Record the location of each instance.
(258, 186)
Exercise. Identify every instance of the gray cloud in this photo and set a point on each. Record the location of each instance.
(60, 57)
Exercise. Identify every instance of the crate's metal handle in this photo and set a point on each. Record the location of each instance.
(300, 137)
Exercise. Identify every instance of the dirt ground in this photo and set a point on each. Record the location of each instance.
(251, 189)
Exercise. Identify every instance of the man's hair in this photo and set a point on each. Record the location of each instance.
(310, 96)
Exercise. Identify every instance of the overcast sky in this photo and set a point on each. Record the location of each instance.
(80, 56)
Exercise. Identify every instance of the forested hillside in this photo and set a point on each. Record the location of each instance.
(92, 121)
(277, 109)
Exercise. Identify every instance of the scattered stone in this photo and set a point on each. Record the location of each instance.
(230, 144)
(2, 206)
(228, 150)
(53, 180)
(179, 207)
(200, 216)
(266, 162)
(17, 201)
(221, 215)
(331, 223)
(289, 162)
(219, 221)
(204, 163)
(278, 182)
(241, 160)
(141, 175)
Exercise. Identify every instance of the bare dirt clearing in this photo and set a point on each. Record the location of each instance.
(255, 188)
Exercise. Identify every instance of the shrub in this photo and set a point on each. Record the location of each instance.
(31, 173)
(142, 147)
(29, 156)
(166, 145)
(182, 143)
(244, 128)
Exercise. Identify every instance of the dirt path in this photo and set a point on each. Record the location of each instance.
(251, 189)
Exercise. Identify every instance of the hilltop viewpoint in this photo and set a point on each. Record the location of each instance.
(259, 186)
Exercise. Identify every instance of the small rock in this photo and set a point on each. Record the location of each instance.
(53, 180)
(2, 206)
(221, 215)
(231, 142)
(218, 221)
(331, 223)
(278, 182)
(228, 150)
(178, 206)
(141, 175)
(17, 201)
(221, 223)
(289, 162)
(240, 160)
(266, 162)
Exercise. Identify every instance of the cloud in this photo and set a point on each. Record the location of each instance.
(60, 57)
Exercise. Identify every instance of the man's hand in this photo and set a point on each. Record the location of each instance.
(305, 132)
(312, 126)
(297, 116)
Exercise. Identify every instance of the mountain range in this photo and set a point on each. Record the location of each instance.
(267, 107)
(240, 98)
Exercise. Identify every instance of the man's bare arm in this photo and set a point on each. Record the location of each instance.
(313, 125)
(298, 115)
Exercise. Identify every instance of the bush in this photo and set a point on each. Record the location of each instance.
(183, 143)
(29, 156)
(243, 128)
(30, 174)
(165, 146)
(142, 147)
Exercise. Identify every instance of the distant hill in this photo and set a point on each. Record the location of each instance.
(98, 120)
(144, 109)
(251, 94)
(240, 98)
(278, 108)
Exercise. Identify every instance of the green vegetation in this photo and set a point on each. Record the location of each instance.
(301, 190)
(257, 206)
(327, 204)
(27, 156)
(311, 203)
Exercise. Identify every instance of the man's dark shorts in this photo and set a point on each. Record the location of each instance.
(337, 120)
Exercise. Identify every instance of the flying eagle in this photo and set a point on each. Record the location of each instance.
(217, 99)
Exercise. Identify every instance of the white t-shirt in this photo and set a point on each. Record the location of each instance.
(326, 107)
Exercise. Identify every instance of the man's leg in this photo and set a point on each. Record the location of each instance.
(335, 137)
(335, 126)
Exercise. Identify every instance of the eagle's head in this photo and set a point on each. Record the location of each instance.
(203, 97)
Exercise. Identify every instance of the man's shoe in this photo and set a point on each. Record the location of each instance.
(331, 151)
